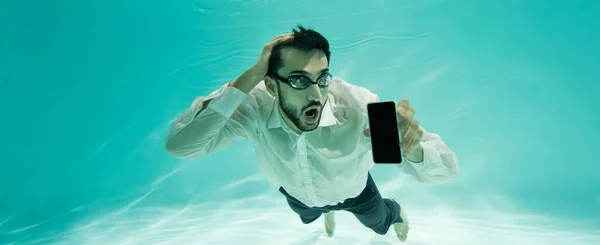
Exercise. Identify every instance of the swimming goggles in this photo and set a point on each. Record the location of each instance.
(302, 81)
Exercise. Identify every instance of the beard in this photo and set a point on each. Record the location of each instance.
(295, 115)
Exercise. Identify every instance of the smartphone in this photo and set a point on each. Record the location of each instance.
(385, 140)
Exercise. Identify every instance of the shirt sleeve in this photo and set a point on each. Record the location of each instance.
(203, 129)
(439, 165)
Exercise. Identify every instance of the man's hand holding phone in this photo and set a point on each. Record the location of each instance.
(410, 132)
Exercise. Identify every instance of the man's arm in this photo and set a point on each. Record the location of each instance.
(215, 122)
(211, 123)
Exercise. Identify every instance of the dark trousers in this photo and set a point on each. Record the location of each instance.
(368, 207)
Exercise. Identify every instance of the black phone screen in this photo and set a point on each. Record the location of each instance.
(385, 140)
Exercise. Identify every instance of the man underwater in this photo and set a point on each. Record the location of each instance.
(310, 133)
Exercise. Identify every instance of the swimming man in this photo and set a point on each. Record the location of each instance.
(310, 133)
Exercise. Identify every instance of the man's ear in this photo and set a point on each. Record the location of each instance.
(270, 84)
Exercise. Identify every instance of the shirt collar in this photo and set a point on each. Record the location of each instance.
(327, 116)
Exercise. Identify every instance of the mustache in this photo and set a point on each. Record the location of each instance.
(313, 103)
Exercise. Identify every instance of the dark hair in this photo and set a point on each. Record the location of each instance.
(304, 39)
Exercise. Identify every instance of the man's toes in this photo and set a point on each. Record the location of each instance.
(402, 237)
(329, 224)
(401, 231)
(329, 231)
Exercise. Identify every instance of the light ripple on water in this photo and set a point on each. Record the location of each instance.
(270, 221)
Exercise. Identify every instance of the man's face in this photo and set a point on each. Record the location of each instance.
(301, 109)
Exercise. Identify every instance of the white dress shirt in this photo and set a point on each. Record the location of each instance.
(321, 167)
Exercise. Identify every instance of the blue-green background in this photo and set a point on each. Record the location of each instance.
(89, 88)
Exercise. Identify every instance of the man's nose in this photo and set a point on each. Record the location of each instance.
(314, 92)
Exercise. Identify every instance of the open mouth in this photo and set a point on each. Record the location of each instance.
(311, 114)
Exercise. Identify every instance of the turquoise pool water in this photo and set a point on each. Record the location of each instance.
(89, 88)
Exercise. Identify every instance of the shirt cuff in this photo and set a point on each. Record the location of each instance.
(226, 100)
(432, 161)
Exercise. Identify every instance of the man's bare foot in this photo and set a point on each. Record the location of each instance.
(329, 223)
(401, 228)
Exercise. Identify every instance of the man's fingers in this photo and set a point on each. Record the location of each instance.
(416, 140)
(279, 39)
(268, 48)
(410, 113)
(409, 134)
(402, 125)
(367, 132)
(409, 128)
(403, 105)
(283, 37)
(400, 109)
(405, 119)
